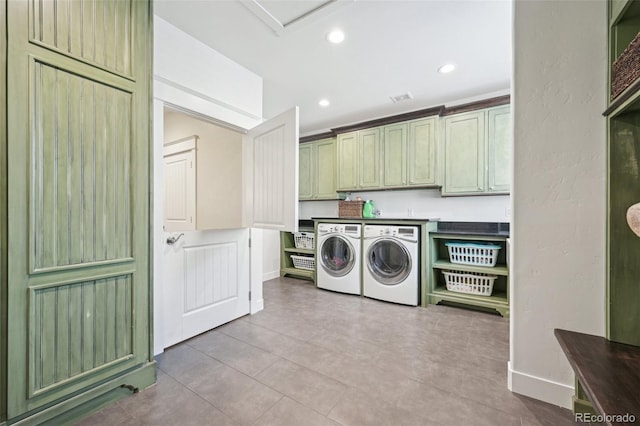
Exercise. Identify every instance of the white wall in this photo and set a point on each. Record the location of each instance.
(558, 215)
(421, 203)
(186, 71)
(271, 254)
(192, 76)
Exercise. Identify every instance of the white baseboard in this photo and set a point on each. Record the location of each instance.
(539, 388)
(270, 275)
(257, 306)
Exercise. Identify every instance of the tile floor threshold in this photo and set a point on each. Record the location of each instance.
(313, 357)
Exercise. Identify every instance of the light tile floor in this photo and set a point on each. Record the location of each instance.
(314, 357)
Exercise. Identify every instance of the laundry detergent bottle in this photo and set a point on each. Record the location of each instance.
(367, 210)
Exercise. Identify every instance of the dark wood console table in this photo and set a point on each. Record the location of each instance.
(608, 372)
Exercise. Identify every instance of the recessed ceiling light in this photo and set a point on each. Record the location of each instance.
(447, 68)
(323, 102)
(336, 36)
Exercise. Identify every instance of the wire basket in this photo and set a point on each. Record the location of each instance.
(473, 253)
(304, 262)
(304, 240)
(479, 284)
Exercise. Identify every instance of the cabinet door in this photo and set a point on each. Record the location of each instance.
(180, 191)
(347, 161)
(325, 169)
(305, 172)
(395, 155)
(499, 150)
(464, 140)
(369, 158)
(79, 196)
(421, 148)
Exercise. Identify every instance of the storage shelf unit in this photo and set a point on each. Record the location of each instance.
(288, 248)
(439, 260)
(623, 120)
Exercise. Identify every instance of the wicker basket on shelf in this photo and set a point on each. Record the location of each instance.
(626, 68)
(350, 209)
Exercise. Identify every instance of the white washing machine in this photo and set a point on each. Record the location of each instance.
(391, 270)
(338, 257)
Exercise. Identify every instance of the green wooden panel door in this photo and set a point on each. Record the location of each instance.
(3, 215)
(421, 152)
(369, 158)
(624, 245)
(347, 161)
(78, 196)
(395, 155)
(499, 149)
(464, 144)
(305, 171)
(325, 169)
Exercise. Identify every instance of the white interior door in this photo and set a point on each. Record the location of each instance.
(208, 274)
(209, 280)
(271, 173)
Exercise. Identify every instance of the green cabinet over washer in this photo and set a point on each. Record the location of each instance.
(317, 170)
(359, 160)
(399, 155)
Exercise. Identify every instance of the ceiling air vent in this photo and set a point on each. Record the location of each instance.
(400, 98)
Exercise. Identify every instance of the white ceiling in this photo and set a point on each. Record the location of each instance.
(391, 47)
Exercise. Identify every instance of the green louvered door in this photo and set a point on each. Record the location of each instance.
(78, 196)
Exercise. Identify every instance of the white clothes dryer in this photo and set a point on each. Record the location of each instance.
(392, 259)
(338, 257)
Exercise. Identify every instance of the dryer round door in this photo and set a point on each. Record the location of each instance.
(388, 261)
(337, 256)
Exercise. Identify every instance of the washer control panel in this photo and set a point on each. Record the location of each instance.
(339, 228)
(409, 233)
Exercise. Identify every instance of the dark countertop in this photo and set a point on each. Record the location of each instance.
(377, 219)
(484, 229)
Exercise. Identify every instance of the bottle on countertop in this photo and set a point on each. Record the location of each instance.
(367, 210)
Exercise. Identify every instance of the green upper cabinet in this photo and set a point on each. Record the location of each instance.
(409, 153)
(347, 173)
(305, 171)
(499, 149)
(477, 152)
(464, 151)
(369, 156)
(317, 170)
(325, 169)
(395, 155)
(422, 152)
(359, 160)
